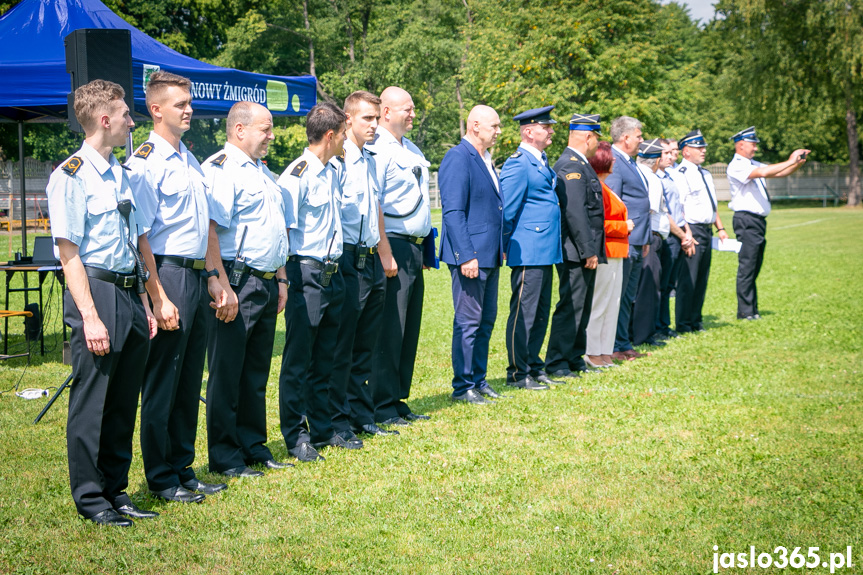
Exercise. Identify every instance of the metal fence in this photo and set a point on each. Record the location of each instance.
(812, 181)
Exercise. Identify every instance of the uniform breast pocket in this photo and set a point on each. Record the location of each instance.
(97, 206)
(172, 199)
(350, 198)
(249, 198)
(537, 227)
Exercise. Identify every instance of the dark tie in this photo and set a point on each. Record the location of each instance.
(761, 185)
(544, 160)
(709, 195)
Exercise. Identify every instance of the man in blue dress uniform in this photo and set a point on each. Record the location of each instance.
(471, 246)
(95, 230)
(532, 245)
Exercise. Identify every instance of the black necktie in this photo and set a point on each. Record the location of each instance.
(544, 160)
(709, 195)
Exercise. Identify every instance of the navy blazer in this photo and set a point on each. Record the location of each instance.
(628, 184)
(472, 209)
(531, 213)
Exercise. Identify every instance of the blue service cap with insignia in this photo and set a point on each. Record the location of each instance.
(535, 116)
(650, 149)
(747, 135)
(585, 122)
(694, 139)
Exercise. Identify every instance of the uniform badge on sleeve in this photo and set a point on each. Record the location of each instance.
(220, 159)
(72, 165)
(573, 176)
(144, 150)
(299, 169)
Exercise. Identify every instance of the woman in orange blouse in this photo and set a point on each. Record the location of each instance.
(609, 281)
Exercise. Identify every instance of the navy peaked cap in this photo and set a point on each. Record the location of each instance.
(694, 139)
(650, 148)
(535, 116)
(747, 135)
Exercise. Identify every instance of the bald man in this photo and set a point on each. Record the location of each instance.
(471, 245)
(403, 175)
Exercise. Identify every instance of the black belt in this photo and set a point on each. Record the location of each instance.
(251, 271)
(407, 238)
(181, 262)
(125, 281)
(315, 263)
(353, 248)
(745, 213)
(708, 226)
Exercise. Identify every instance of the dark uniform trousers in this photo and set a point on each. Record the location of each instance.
(475, 304)
(103, 399)
(670, 258)
(395, 354)
(631, 276)
(750, 230)
(567, 343)
(172, 382)
(239, 354)
(646, 304)
(312, 318)
(692, 281)
(365, 290)
(529, 310)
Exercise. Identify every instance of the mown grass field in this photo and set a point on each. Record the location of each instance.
(747, 434)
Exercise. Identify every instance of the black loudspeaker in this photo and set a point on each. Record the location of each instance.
(96, 54)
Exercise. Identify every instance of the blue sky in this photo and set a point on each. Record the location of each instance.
(698, 9)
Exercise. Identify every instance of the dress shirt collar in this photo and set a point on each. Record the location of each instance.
(580, 155)
(353, 154)
(387, 137)
(240, 156)
(101, 164)
(621, 152)
(536, 153)
(164, 148)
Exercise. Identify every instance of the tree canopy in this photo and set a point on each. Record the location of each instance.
(790, 67)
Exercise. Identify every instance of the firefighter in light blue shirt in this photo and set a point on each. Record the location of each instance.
(95, 232)
(246, 254)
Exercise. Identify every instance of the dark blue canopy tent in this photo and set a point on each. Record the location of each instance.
(34, 83)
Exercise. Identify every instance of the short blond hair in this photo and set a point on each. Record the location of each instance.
(93, 99)
(161, 81)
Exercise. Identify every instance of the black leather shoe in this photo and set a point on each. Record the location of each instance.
(417, 417)
(242, 471)
(133, 511)
(179, 494)
(198, 486)
(543, 378)
(528, 383)
(273, 464)
(305, 452)
(351, 438)
(395, 421)
(654, 342)
(670, 334)
(489, 391)
(339, 441)
(565, 374)
(373, 429)
(112, 518)
(471, 396)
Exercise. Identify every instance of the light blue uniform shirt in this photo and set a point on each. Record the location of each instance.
(404, 195)
(171, 199)
(672, 198)
(83, 209)
(312, 194)
(243, 194)
(360, 195)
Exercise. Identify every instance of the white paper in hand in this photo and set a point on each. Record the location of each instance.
(728, 245)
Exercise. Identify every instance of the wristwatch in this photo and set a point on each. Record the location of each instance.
(213, 273)
(283, 281)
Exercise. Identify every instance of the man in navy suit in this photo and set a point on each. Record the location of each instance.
(630, 185)
(531, 244)
(471, 244)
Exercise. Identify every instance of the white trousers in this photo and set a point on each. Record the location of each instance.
(606, 305)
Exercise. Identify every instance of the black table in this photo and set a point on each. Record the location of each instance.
(11, 269)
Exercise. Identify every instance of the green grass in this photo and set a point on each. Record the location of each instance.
(747, 434)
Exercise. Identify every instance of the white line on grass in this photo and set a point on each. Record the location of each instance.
(803, 224)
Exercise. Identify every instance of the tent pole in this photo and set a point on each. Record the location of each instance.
(23, 192)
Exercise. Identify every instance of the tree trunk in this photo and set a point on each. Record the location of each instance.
(460, 107)
(349, 28)
(853, 149)
(461, 126)
(309, 34)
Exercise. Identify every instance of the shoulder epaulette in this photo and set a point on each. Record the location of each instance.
(341, 157)
(72, 165)
(517, 154)
(144, 150)
(682, 169)
(372, 152)
(219, 160)
(299, 169)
